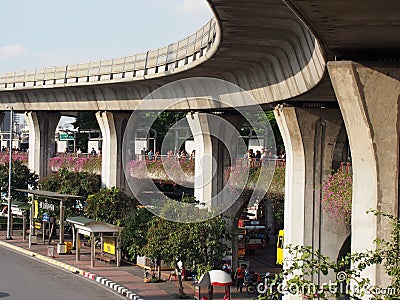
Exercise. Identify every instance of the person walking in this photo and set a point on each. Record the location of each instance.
(150, 155)
(240, 277)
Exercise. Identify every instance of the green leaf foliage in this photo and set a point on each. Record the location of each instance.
(73, 183)
(85, 120)
(202, 243)
(134, 234)
(110, 205)
(21, 178)
(277, 133)
(303, 264)
(162, 124)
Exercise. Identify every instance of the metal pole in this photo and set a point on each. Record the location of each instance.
(78, 245)
(62, 222)
(24, 225)
(74, 142)
(92, 250)
(31, 225)
(9, 216)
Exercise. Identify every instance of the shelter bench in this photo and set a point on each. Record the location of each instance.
(105, 257)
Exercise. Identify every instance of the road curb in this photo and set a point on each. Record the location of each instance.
(99, 279)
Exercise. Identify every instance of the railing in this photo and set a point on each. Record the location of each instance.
(270, 162)
(164, 59)
(254, 162)
(77, 155)
(92, 163)
(157, 157)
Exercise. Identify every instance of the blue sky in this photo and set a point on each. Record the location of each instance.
(44, 33)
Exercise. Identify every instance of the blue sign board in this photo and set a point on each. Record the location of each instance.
(46, 217)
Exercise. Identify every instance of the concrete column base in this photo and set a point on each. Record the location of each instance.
(369, 101)
(309, 135)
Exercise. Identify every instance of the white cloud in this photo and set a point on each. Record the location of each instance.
(11, 51)
(192, 7)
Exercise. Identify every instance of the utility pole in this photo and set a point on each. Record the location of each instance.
(9, 216)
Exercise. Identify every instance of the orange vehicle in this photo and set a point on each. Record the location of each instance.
(241, 242)
(251, 236)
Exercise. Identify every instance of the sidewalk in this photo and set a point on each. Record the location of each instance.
(126, 279)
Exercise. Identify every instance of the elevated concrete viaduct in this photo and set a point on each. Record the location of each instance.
(328, 68)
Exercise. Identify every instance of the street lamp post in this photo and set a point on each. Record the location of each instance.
(9, 216)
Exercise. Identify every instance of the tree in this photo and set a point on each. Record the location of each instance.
(162, 124)
(262, 121)
(276, 194)
(21, 178)
(202, 243)
(110, 205)
(113, 206)
(85, 120)
(303, 263)
(134, 234)
(73, 183)
(274, 126)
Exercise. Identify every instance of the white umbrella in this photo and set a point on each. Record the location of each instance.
(215, 277)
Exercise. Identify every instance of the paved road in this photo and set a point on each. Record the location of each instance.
(22, 277)
(264, 260)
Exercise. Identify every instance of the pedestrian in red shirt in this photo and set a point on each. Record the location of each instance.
(240, 277)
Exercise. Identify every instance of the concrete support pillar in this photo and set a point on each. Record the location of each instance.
(112, 125)
(213, 135)
(216, 138)
(2, 114)
(369, 101)
(42, 146)
(206, 158)
(309, 135)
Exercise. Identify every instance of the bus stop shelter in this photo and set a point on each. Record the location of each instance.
(18, 210)
(51, 196)
(91, 228)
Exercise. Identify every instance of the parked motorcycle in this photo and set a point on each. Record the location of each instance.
(251, 280)
(265, 288)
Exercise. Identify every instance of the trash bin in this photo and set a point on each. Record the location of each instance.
(68, 247)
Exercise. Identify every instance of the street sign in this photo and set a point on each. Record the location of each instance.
(66, 137)
(45, 205)
(46, 217)
(109, 245)
(16, 211)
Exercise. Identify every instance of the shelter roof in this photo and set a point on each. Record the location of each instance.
(50, 195)
(93, 225)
